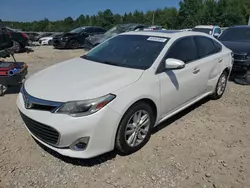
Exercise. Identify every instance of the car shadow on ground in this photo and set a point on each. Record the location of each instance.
(26, 50)
(181, 114)
(80, 162)
(111, 155)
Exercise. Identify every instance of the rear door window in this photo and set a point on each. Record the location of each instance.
(99, 30)
(184, 49)
(89, 30)
(205, 46)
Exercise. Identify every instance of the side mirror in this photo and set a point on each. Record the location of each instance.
(174, 64)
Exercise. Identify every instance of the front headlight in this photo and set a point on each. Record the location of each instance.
(86, 107)
(248, 56)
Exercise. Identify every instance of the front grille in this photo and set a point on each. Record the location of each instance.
(43, 132)
(33, 103)
(239, 56)
(43, 107)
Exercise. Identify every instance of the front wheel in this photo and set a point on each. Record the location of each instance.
(50, 42)
(73, 44)
(135, 128)
(221, 86)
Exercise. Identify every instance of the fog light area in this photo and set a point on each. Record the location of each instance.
(80, 144)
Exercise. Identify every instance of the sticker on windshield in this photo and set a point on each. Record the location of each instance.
(157, 39)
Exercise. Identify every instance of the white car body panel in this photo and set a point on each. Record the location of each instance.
(45, 40)
(171, 91)
(58, 85)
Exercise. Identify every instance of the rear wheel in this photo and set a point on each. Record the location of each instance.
(73, 44)
(135, 128)
(221, 86)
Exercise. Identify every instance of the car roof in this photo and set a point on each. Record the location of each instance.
(131, 25)
(240, 26)
(206, 26)
(175, 34)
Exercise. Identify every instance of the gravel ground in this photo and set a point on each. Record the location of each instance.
(206, 146)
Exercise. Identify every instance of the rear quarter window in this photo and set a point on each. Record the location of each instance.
(206, 46)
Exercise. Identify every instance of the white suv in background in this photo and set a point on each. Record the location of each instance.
(114, 95)
(215, 31)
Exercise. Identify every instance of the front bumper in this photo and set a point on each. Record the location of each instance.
(241, 65)
(58, 43)
(88, 45)
(99, 127)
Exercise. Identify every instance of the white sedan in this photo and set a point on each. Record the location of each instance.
(46, 40)
(114, 95)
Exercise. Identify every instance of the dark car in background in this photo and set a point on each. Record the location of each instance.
(93, 41)
(5, 41)
(237, 38)
(76, 38)
(32, 35)
(20, 39)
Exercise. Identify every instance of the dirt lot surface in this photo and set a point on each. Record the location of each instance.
(207, 146)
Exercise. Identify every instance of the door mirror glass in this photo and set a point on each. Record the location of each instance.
(171, 63)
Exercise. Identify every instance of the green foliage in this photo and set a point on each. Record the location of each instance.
(191, 12)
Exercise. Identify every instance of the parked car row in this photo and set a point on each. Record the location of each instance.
(87, 36)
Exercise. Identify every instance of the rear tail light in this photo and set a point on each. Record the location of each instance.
(24, 35)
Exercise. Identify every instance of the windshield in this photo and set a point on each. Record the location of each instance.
(203, 30)
(236, 34)
(113, 30)
(132, 51)
(116, 30)
(77, 30)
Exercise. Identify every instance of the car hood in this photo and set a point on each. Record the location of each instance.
(238, 47)
(79, 79)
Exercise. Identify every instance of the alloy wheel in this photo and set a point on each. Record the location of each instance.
(137, 128)
(222, 84)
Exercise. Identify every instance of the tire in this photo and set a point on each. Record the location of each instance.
(220, 86)
(73, 44)
(2, 90)
(50, 42)
(17, 46)
(243, 80)
(123, 143)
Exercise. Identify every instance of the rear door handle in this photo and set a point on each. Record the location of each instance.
(196, 70)
(220, 60)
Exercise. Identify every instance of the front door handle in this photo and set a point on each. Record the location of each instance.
(220, 61)
(196, 70)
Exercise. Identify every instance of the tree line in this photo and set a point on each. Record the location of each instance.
(189, 14)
